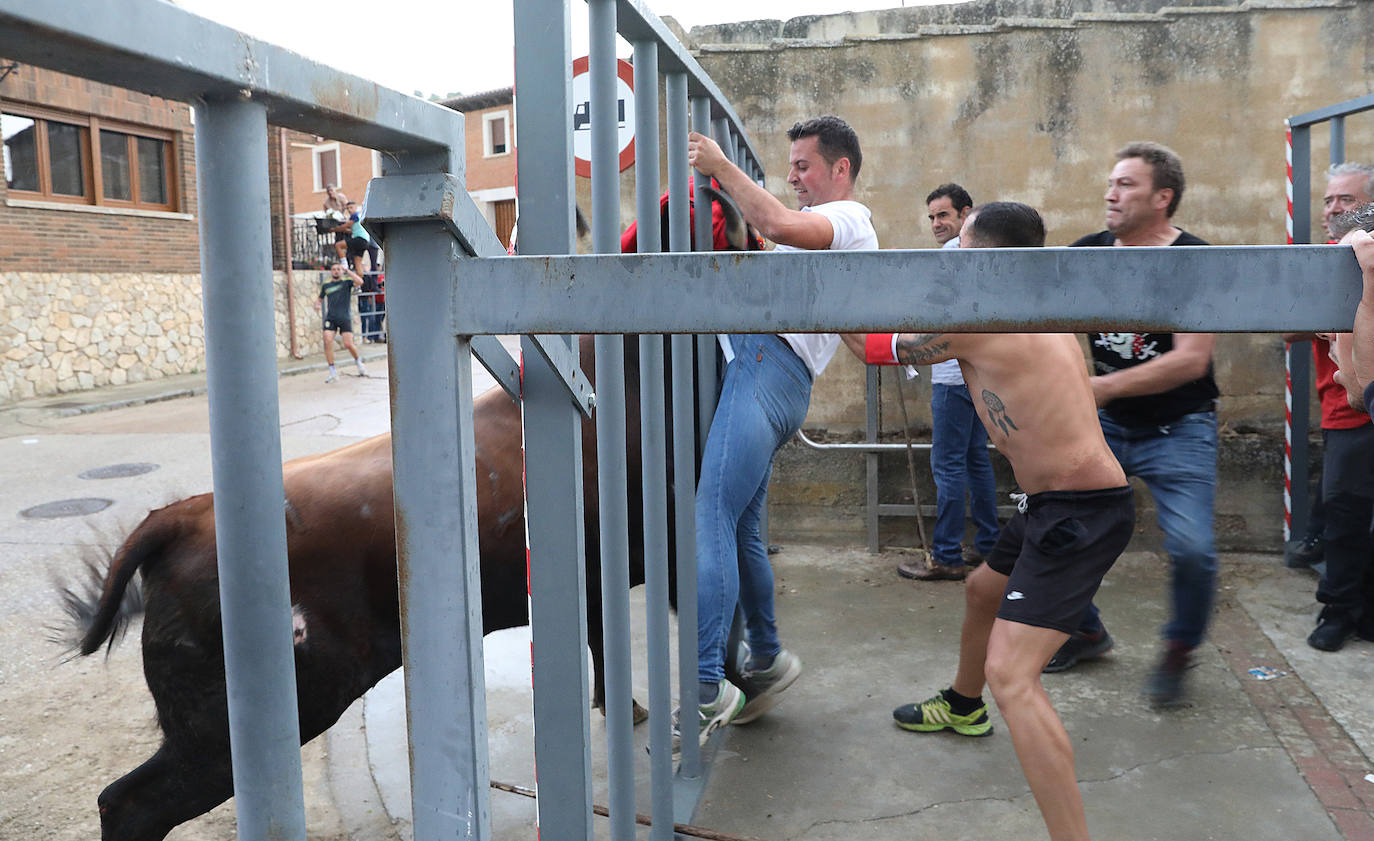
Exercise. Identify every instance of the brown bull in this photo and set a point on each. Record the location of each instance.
(341, 548)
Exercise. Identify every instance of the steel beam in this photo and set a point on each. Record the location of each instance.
(1174, 289)
(441, 197)
(158, 48)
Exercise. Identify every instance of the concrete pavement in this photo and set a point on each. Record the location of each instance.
(1276, 743)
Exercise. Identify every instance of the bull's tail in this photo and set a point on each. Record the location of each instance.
(100, 609)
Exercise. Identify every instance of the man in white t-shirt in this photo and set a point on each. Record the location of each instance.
(959, 459)
(764, 398)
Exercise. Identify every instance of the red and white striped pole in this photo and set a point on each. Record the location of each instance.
(1287, 363)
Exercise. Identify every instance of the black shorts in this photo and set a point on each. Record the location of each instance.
(339, 322)
(340, 236)
(1057, 552)
(357, 246)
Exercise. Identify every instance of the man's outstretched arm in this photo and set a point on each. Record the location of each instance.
(900, 348)
(770, 217)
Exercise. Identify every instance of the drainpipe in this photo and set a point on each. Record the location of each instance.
(286, 247)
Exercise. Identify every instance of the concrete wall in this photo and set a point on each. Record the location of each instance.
(1027, 101)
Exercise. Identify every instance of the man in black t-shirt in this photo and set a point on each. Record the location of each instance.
(335, 304)
(1156, 397)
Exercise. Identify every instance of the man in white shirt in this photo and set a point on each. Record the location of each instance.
(764, 397)
(958, 443)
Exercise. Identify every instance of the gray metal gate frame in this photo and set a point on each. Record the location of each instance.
(1299, 354)
(451, 290)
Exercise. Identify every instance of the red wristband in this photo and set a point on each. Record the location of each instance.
(878, 349)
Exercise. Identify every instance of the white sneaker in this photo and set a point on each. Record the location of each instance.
(362, 372)
(762, 688)
(332, 377)
(711, 717)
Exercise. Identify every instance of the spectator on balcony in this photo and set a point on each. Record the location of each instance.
(359, 243)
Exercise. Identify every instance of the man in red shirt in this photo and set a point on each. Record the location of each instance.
(1347, 492)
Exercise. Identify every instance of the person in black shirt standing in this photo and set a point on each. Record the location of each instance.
(335, 304)
(1156, 397)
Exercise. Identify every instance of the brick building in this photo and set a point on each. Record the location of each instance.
(489, 128)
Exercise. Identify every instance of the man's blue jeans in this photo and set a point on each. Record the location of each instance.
(763, 401)
(959, 462)
(1178, 463)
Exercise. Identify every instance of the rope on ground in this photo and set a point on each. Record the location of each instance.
(642, 820)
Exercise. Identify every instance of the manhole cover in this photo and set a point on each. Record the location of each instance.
(118, 471)
(66, 508)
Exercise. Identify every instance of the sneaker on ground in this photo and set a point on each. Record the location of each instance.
(920, 569)
(972, 557)
(1164, 686)
(332, 377)
(710, 717)
(362, 372)
(762, 688)
(934, 714)
(1079, 646)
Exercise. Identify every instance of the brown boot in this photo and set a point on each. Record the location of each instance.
(920, 569)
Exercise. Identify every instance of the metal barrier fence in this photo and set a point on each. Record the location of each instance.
(447, 298)
(1299, 354)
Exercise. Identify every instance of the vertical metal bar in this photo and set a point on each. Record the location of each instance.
(245, 449)
(605, 133)
(703, 241)
(720, 130)
(553, 442)
(610, 432)
(1337, 140)
(558, 605)
(653, 452)
(872, 394)
(1300, 353)
(684, 418)
(434, 457)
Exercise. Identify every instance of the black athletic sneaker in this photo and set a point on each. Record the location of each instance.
(1079, 646)
(1164, 686)
(1300, 554)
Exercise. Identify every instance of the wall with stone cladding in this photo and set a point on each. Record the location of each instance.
(72, 332)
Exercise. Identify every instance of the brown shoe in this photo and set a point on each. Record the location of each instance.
(920, 569)
(972, 557)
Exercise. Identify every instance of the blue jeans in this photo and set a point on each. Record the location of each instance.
(959, 462)
(763, 401)
(1178, 463)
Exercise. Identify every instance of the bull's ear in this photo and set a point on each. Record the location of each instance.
(736, 231)
(582, 227)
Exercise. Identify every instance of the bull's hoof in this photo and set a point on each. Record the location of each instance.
(638, 713)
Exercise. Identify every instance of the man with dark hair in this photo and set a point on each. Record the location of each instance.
(335, 305)
(1157, 400)
(835, 139)
(1076, 518)
(764, 397)
(959, 459)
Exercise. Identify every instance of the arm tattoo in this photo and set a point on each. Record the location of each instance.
(920, 348)
(997, 413)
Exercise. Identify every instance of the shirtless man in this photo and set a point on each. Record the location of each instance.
(1033, 395)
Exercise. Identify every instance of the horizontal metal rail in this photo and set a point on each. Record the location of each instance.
(158, 48)
(1340, 109)
(1174, 289)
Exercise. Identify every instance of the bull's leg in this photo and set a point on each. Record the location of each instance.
(596, 643)
(154, 798)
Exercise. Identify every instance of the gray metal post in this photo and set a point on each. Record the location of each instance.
(1337, 140)
(653, 451)
(684, 418)
(872, 396)
(707, 382)
(610, 433)
(245, 449)
(553, 441)
(1300, 353)
(433, 453)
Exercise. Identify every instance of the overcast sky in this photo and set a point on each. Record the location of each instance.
(455, 46)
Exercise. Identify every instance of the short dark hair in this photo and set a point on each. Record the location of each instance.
(1166, 168)
(958, 196)
(834, 138)
(1007, 224)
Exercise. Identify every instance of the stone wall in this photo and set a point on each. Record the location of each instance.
(72, 332)
(1027, 100)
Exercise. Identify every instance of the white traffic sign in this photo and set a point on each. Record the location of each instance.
(582, 116)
